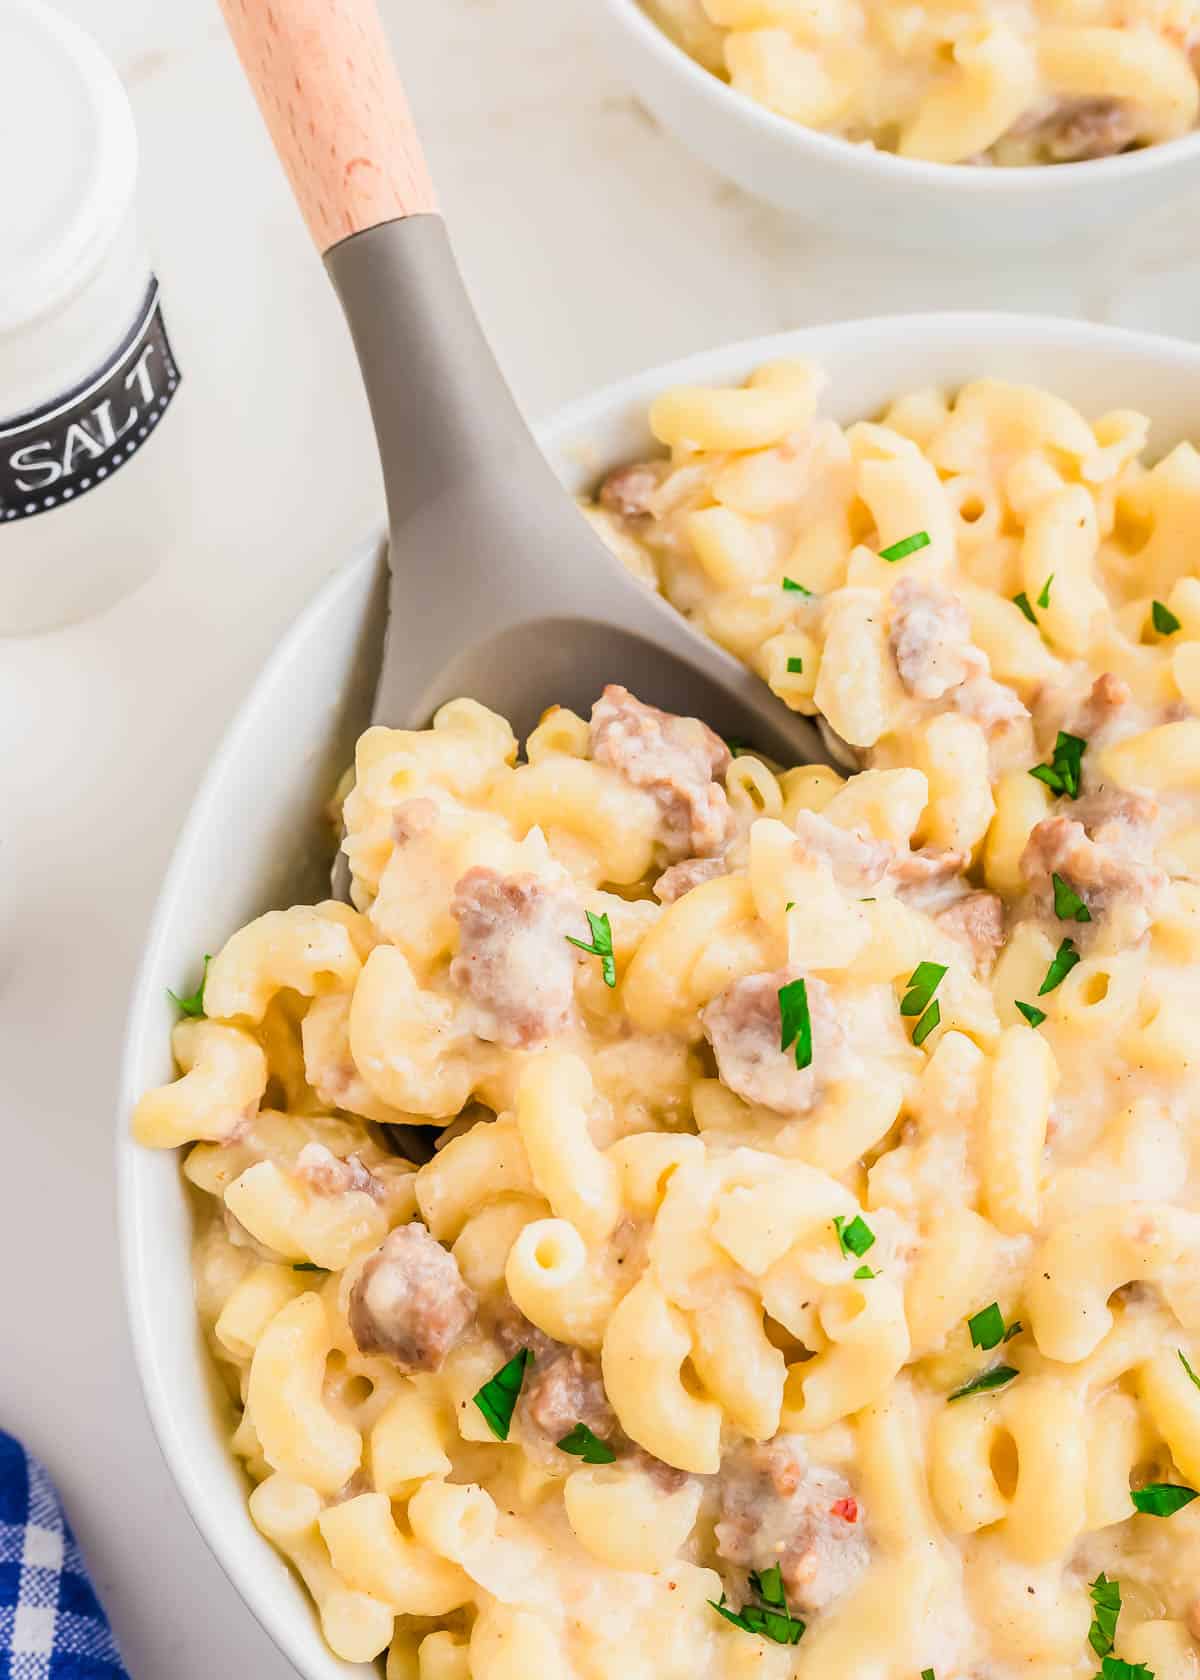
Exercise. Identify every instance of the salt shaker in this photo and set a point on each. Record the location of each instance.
(87, 373)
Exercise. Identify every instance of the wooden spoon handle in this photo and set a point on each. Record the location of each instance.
(333, 101)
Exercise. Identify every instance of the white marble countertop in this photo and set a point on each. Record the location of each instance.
(592, 246)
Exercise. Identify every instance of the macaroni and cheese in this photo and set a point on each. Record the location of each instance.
(802, 1277)
(984, 81)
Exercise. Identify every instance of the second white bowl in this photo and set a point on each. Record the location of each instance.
(875, 194)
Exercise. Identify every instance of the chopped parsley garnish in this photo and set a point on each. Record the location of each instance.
(922, 983)
(307, 1266)
(1022, 601)
(737, 746)
(1044, 597)
(864, 1274)
(1113, 1668)
(1061, 775)
(908, 545)
(795, 665)
(770, 1619)
(795, 588)
(601, 946)
(926, 1024)
(1032, 1014)
(988, 1329)
(497, 1399)
(1106, 1599)
(193, 1004)
(918, 999)
(795, 1022)
(1183, 1360)
(769, 1586)
(1162, 1499)
(580, 1442)
(776, 1625)
(928, 1674)
(1068, 906)
(1065, 959)
(997, 1377)
(790, 905)
(1164, 619)
(855, 1237)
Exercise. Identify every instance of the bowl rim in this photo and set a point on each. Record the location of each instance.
(156, 1388)
(991, 329)
(1028, 182)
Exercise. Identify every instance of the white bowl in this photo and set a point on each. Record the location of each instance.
(876, 194)
(252, 839)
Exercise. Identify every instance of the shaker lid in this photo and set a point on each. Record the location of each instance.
(68, 159)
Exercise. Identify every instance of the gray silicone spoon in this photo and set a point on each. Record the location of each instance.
(499, 588)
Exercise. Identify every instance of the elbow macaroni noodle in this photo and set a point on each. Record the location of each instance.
(987, 81)
(894, 1290)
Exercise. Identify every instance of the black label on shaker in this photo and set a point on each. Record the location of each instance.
(56, 453)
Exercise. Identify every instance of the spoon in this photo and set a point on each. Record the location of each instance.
(499, 589)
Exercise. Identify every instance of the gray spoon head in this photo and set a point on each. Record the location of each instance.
(499, 588)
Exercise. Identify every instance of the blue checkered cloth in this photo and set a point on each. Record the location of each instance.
(51, 1624)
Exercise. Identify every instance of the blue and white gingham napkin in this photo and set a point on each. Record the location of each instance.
(51, 1624)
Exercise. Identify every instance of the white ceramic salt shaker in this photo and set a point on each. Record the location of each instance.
(87, 374)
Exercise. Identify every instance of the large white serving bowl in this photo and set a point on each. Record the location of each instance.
(875, 194)
(253, 838)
